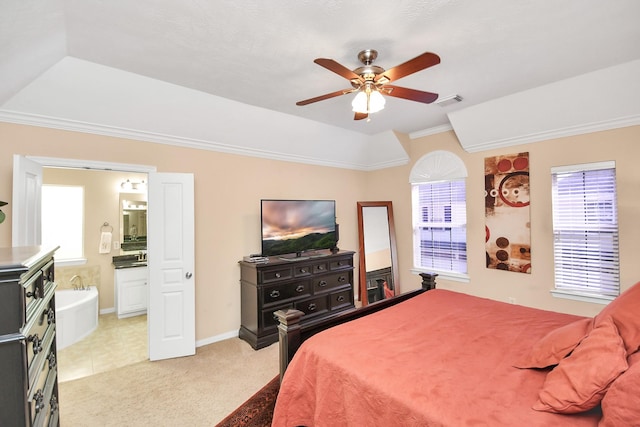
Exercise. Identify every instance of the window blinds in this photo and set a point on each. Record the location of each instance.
(585, 229)
(439, 219)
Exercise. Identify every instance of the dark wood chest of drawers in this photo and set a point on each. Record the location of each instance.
(28, 372)
(319, 286)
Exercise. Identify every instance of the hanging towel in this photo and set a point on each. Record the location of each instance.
(105, 242)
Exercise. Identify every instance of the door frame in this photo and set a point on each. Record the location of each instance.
(58, 162)
(93, 165)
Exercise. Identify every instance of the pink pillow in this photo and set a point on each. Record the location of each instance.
(580, 381)
(620, 405)
(624, 311)
(556, 345)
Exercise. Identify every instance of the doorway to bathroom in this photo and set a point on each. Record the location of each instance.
(116, 342)
(171, 297)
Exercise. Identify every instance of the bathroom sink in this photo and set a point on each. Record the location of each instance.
(128, 262)
(139, 264)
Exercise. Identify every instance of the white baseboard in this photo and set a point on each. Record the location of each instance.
(216, 338)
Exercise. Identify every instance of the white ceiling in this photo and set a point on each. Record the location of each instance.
(261, 54)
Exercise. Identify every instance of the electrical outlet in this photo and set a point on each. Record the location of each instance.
(511, 300)
(116, 244)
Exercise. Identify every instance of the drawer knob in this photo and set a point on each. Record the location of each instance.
(52, 360)
(340, 298)
(54, 403)
(322, 283)
(274, 293)
(321, 267)
(35, 294)
(303, 270)
(37, 343)
(39, 399)
(312, 307)
(277, 275)
(342, 279)
(51, 316)
(300, 288)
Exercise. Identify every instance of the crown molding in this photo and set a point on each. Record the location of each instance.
(556, 133)
(430, 131)
(621, 122)
(158, 138)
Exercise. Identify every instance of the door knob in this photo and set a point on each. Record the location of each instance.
(188, 275)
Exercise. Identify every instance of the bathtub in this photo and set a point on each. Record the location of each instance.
(76, 315)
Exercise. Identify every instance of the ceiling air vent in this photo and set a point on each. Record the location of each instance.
(448, 100)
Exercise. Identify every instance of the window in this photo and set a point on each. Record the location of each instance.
(63, 220)
(438, 194)
(585, 230)
(439, 226)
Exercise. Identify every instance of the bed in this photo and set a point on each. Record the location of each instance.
(442, 358)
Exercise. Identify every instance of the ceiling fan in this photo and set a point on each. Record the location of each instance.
(371, 81)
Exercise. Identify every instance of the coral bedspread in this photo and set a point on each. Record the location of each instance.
(439, 359)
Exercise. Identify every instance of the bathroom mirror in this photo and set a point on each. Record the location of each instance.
(378, 261)
(133, 222)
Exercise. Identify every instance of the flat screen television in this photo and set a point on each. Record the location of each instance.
(293, 228)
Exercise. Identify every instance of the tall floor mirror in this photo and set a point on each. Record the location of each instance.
(378, 260)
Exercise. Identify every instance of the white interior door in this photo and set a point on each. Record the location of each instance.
(170, 244)
(26, 213)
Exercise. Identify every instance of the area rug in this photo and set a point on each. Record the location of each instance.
(257, 411)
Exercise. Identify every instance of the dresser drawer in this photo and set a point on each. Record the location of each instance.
(330, 281)
(40, 336)
(276, 294)
(302, 271)
(313, 306)
(340, 299)
(320, 267)
(269, 320)
(48, 272)
(33, 289)
(44, 399)
(340, 264)
(269, 275)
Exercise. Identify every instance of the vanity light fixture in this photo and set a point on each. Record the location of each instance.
(129, 185)
(126, 185)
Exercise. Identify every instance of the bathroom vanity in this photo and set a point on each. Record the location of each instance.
(131, 288)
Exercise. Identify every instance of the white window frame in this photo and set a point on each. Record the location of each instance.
(581, 220)
(63, 222)
(439, 169)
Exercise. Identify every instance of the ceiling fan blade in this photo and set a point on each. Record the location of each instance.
(360, 116)
(418, 63)
(410, 94)
(325, 96)
(337, 68)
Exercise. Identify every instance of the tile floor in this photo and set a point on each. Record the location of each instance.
(115, 343)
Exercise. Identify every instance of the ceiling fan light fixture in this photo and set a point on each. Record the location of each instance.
(368, 102)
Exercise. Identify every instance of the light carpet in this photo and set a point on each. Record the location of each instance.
(199, 390)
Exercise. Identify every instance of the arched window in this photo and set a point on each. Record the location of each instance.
(438, 194)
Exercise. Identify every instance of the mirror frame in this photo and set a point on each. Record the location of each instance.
(132, 197)
(362, 291)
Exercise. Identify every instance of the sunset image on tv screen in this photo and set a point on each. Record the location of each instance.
(290, 226)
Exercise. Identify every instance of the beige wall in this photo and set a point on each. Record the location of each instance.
(228, 189)
(620, 145)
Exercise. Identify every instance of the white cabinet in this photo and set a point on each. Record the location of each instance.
(131, 291)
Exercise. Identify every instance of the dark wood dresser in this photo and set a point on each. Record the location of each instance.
(28, 373)
(319, 286)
